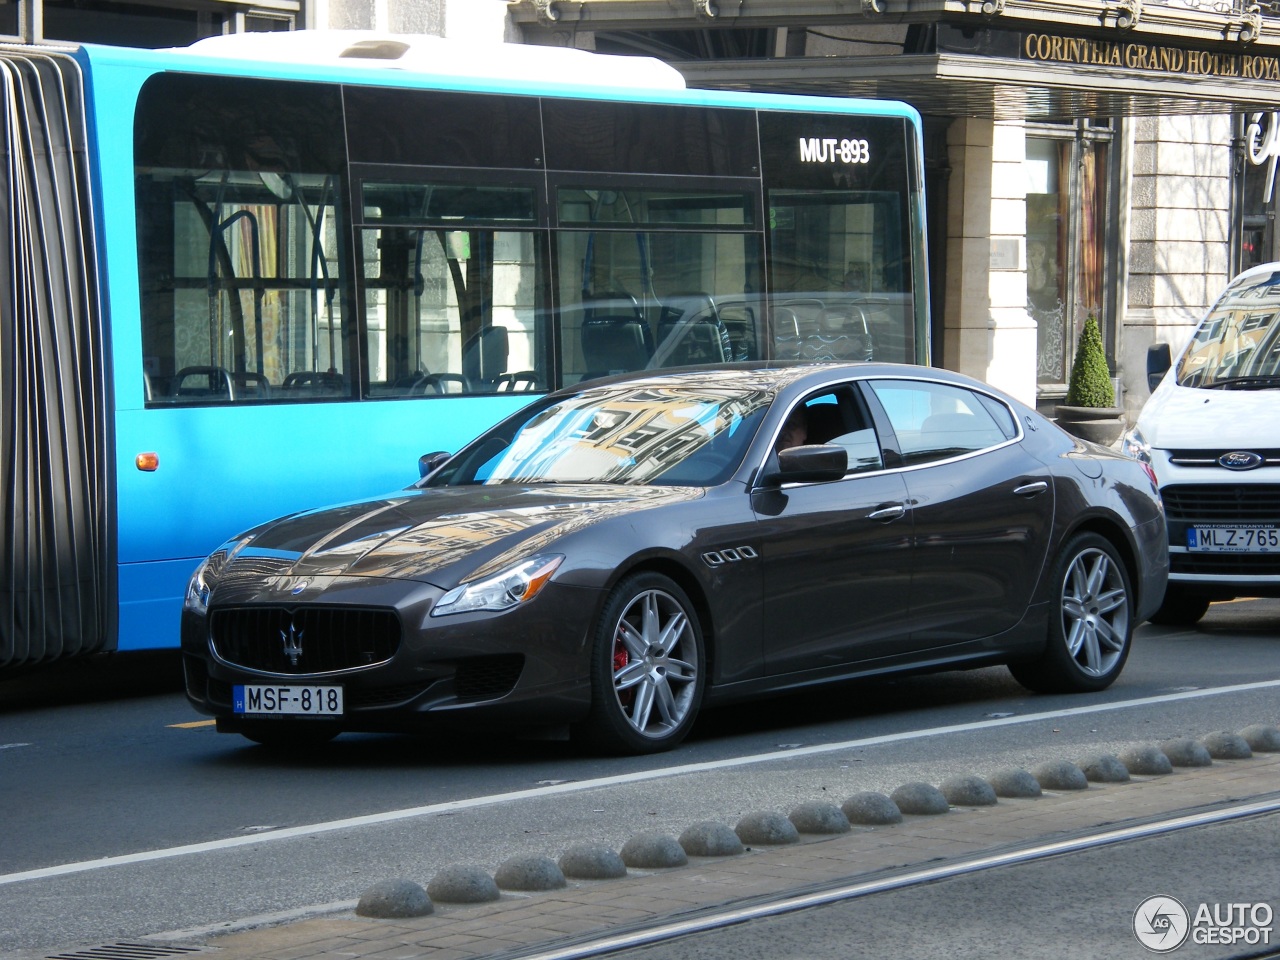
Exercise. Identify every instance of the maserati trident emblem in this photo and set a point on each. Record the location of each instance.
(292, 643)
(1240, 460)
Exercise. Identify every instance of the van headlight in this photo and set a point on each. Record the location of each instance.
(508, 588)
(1134, 445)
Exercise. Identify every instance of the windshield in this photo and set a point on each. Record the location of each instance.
(633, 434)
(1238, 344)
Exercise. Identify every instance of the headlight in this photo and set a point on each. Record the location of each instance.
(1132, 444)
(515, 585)
(198, 589)
(205, 578)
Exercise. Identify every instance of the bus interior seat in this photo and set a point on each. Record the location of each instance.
(206, 382)
(522, 381)
(700, 341)
(251, 385)
(317, 382)
(484, 358)
(615, 344)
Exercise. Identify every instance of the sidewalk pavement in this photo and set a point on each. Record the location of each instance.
(526, 921)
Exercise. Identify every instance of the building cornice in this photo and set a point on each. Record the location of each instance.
(1235, 22)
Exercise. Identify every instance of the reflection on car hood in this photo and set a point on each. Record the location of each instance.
(420, 534)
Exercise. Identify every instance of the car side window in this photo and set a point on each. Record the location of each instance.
(837, 417)
(936, 421)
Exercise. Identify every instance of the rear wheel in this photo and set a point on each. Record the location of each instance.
(647, 667)
(1091, 623)
(1180, 610)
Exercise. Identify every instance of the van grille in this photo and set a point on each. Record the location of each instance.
(1222, 503)
(304, 640)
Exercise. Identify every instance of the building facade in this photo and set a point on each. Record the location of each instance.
(1085, 157)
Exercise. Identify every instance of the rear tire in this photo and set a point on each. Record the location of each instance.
(1180, 609)
(1090, 625)
(647, 668)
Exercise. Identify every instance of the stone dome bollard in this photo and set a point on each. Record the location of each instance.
(394, 900)
(710, 839)
(653, 851)
(529, 873)
(1060, 775)
(1104, 768)
(1225, 745)
(1184, 752)
(1262, 738)
(871, 809)
(920, 800)
(968, 792)
(461, 883)
(1015, 784)
(819, 818)
(766, 828)
(1147, 761)
(592, 863)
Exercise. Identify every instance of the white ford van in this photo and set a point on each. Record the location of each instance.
(1211, 433)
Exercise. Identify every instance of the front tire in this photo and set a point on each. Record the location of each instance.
(1180, 610)
(647, 667)
(284, 736)
(1090, 625)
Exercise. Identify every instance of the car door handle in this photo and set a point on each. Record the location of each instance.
(1031, 489)
(887, 513)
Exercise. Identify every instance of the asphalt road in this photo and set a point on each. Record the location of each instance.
(200, 829)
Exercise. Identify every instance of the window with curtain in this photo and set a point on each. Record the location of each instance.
(1067, 185)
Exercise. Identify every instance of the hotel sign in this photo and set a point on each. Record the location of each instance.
(1153, 59)
(1149, 58)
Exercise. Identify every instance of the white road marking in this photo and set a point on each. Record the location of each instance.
(471, 803)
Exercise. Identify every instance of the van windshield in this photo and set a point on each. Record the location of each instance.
(1237, 347)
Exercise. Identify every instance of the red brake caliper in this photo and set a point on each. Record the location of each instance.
(620, 660)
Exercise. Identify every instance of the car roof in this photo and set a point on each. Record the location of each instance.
(774, 375)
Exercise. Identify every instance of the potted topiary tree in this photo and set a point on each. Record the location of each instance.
(1090, 410)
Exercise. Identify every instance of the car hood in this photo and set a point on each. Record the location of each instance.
(440, 535)
(1190, 418)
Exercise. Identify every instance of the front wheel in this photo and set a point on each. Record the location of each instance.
(1180, 610)
(1090, 625)
(647, 667)
(285, 736)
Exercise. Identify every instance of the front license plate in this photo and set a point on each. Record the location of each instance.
(1233, 539)
(286, 699)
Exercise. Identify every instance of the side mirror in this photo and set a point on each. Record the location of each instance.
(431, 462)
(1159, 360)
(811, 463)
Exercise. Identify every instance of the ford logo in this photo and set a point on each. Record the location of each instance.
(1240, 460)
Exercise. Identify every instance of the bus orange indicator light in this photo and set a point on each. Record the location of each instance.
(147, 461)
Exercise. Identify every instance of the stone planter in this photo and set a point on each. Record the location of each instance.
(1102, 425)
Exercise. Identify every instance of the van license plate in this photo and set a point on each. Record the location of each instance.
(287, 700)
(1233, 539)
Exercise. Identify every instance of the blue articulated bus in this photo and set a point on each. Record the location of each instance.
(268, 272)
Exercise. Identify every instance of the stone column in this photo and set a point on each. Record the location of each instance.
(987, 332)
(1180, 219)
